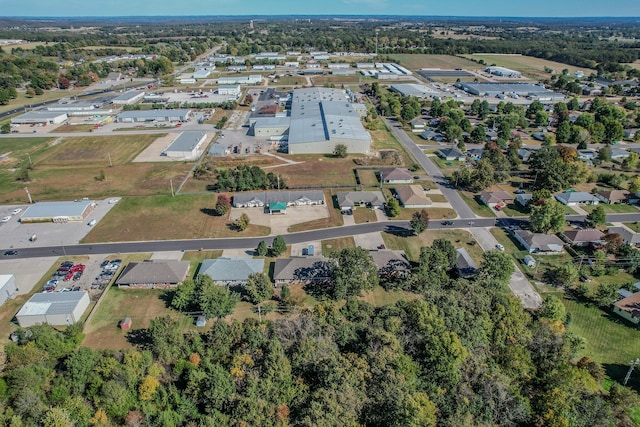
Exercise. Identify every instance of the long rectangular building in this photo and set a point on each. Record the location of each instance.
(141, 116)
(55, 308)
(58, 212)
(186, 145)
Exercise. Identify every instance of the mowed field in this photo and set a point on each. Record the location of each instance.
(165, 217)
(527, 65)
(69, 168)
(415, 62)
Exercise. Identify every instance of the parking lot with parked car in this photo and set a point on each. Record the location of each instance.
(92, 275)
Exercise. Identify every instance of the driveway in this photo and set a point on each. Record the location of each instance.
(518, 283)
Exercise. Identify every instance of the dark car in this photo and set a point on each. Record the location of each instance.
(10, 252)
(447, 222)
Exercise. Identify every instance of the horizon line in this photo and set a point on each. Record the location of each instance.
(324, 16)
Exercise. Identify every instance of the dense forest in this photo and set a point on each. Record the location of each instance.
(460, 352)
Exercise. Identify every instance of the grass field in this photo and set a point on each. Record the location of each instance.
(527, 65)
(615, 208)
(635, 226)
(437, 198)
(333, 245)
(415, 62)
(339, 80)
(362, 215)
(72, 128)
(368, 178)
(318, 170)
(24, 101)
(434, 213)
(411, 245)
(478, 208)
(166, 217)
(379, 297)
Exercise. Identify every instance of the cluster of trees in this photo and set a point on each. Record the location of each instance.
(243, 178)
(438, 359)
(278, 247)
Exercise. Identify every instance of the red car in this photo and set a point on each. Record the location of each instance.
(178, 124)
(68, 277)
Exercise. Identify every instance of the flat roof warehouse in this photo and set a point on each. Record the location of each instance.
(58, 211)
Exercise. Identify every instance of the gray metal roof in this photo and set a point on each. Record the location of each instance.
(151, 114)
(128, 95)
(56, 209)
(521, 88)
(231, 269)
(52, 303)
(41, 114)
(269, 122)
(186, 141)
(352, 198)
(576, 197)
(412, 89)
(149, 272)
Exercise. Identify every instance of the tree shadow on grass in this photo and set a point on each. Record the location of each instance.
(139, 338)
(209, 212)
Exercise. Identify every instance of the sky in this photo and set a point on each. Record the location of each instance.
(512, 8)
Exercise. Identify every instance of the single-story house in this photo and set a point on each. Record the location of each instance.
(54, 308)
(475, 153)
(538, 136)
(8, 287)
(412, 196)
(523, 199)
(465, 265)
(431, 135)
(231, 271)
(279, 199)
(583, 237)
(352, 199)
(630, 133)
(418, 124)
(153, 274)
(302, 270)
(573, 198)
(451, 154)
(619, 154)
(490, 134)
(538, 242)
(629, 308)
(495, 198)
(587, 154)
(391, 264)
(627, 235)
(524, 154)
(613, 196)
(396, 176)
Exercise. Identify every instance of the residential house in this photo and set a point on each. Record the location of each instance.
(490, 134)
(613, 196)
(579, 237)
(231, 271)
(153, 274)
(279, 199)
(451, 154)
(475, 153)
(586, 155)
(352, 199)
(574, 198)
(630, 133)
(391, 264)
(629, 308)
(538, 136)
(302, 270)
(523, 199)
(619, 154)
(431, 135)
(465, 265)
(495, 199)
(396, 176)
(412, 196)
(627, 235)
(524, 154)
(538, 242)
(418, 124)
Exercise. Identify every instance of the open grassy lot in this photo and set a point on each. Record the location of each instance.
(368, 178)
(446, 166)
(362, 215)
(318, 170)
(24, 101)
(72, 128)
(166, 217)
(437, 198)
(415, 62)
(141, 305)
(333, 245)
(434, 213)
(528, 65)
(339, 80)
(635, 226)
(291, 81)
(379, 297)
(516, 209)
(69, 168)
(616, 208)
(411, 244)
(335, 217)
(476, 206)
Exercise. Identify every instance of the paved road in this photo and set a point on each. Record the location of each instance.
(462, 209)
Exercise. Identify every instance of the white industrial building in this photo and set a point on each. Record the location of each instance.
(202, 73)
(8, 287)
(58, 212)
(186, 145)
(267, 127)
(54, 308)
(230, 90)
(128, 98)
(187, 81)
(240, 80)
(503, 72)
(412, 89)
(143, 116)
(40, 116)
(72, 106)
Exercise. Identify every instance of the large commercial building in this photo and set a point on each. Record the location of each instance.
(147, 116)
(128, 98)
(322, 118)
(240, 80)
(503, 72)
(40, 117)
(186, 145)
(412, 89)
(58, 212)
(7, 287)
(55, 308)
(532, 90)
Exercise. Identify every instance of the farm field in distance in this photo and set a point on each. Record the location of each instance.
(528, 65)
(417, 61)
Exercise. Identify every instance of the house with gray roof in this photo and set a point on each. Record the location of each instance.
(153, 274)
(539, 242)
(465, 265)
(396, 176)
(231, 271)
(579, 237)
(432, 135)
(524, 154)
(627, 235)
(574, 198)
(391, 264)
(418, 124)
(495, 198)
(302, 270)
(451, 154)
(281, 198)
(619, 154)
(523, 199)
(349, 200)
(587, 154)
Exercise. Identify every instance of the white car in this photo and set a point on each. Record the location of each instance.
(16, 211)
(92, 223)
(6, 219)
(500, 247)
(113, 201)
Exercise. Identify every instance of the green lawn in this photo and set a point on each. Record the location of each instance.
(362, 215)
(411, 245)
(635, 226)
(515, 209)
(476, 206)
(332, 245)
(615, 208)
(446, 166)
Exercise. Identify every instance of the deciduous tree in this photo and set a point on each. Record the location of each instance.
(419, 221)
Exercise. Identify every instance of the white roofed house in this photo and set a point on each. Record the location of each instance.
(573, 198)
(451, 154)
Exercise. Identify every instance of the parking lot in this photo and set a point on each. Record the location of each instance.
(14, 234)
(92, 275)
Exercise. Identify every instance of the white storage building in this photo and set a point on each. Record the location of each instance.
(186, 145)
(55, 308)
(40, 116)
(230, 90)
(128, 98)
(7, 287)
(142, 116)
(58, 212)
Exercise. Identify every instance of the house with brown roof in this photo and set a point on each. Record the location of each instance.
(496, 198)
(583, 237)
(629, 308)
(391, 264)
(396, 176)
(153, 274)
(613, 196)
(538, 242)
(302, 270)
(627, 235)
(412, 196)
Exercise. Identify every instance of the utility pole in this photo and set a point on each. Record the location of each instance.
(30, 162)
(172, 192)
(260, 314)
(110, 163)
(633, 364)
(28, 194)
